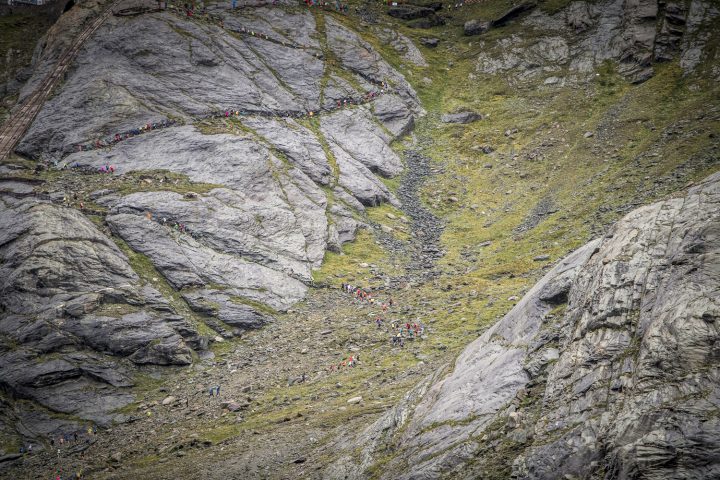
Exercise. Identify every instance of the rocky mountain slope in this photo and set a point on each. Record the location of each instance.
(534, 183)
(607, 367)
(291, 148)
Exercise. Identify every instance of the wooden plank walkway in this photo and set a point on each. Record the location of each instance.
(19, 121)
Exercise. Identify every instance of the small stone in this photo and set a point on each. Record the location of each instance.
(235, 406)
(218, 339)
(390, 216)
(355, 400)
(513, 298)
(588, 134)
(116, 457)
(169, 400)
(541, 258)
(363, 265)
(386, 229)
(304, 351)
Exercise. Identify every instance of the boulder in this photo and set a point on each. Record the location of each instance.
(476, 27)
(461, 117)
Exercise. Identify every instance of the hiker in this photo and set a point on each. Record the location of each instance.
(212, 391)
(217, 390)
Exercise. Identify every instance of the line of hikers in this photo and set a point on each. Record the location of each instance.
(175, 225)
(74, 437)
(349, 362)
(339, 104)
(119, 137)
(265, 36)
(189, 11)
(107, 168)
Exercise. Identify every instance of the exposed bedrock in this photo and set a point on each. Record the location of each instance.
(578, 38)
(75, 316)
(277, 188)
(608, 366)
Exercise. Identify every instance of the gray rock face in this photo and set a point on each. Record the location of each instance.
(76, 319)
(583, 35)
(356, 133)
(74, 314)
(403, 45)
(624, 380)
